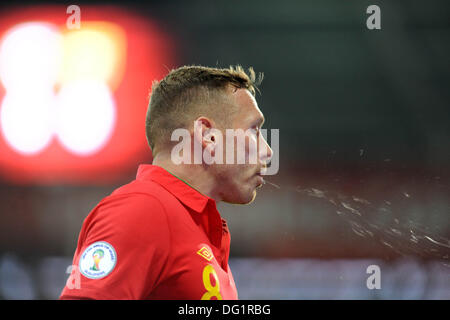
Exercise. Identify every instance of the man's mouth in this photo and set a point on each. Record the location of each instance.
(260, 179)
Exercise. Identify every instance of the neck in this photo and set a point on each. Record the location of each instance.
(196, 175)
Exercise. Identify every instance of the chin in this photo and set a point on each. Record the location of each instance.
(253, 197)
(243, 199)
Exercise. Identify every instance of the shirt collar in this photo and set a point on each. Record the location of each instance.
(180, 189)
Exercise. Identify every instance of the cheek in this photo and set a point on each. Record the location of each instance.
(245, 175)
(253, 150)
(236, 175)
(249, 146)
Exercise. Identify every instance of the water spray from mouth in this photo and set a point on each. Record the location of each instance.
(272, 184)
(404, 238)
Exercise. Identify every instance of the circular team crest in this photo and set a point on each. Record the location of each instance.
(97, 260)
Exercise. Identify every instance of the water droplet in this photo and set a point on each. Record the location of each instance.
(387, 244)
(437, 242)
(272, 184)
(352, 210)
(332, 201)
(360, 200)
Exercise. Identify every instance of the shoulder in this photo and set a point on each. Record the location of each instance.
(131, 215)
(147, 194)
(133, 206)
(140, 187)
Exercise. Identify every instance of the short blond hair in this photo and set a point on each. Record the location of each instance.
(188, 92)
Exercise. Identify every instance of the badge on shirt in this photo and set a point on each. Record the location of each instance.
(205, 253)
(97, 260)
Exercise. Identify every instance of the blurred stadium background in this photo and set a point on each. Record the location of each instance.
(364, 137)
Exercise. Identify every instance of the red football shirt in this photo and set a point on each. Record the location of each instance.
(154, 238)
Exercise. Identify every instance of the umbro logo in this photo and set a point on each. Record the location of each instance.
(205, 253)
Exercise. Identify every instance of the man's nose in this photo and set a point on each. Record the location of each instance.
(265, 151)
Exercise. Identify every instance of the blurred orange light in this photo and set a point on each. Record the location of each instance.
(95, 52)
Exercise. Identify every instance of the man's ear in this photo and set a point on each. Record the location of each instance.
(203, 133)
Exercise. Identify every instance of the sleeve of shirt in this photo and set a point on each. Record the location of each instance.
(135, 227)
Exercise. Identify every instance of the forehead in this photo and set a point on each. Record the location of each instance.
(247, 107)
